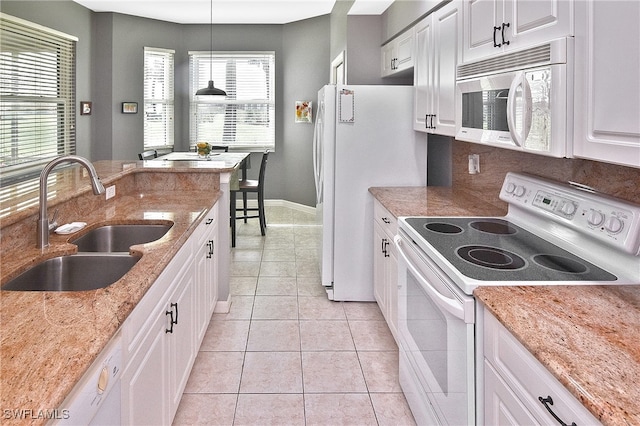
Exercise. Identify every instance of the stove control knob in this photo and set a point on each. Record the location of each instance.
(595, 218)
(510, 188)
(614, 225)
(519, 191)
(568, 208)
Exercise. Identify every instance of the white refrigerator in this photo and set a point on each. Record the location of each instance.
(363, 137)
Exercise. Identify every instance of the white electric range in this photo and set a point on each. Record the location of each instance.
(553, 234)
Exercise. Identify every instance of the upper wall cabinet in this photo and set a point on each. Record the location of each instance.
(397, 55)
(494, 26)
(607, 87)
(438, 52)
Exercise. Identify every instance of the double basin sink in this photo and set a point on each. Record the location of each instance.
(102, 259)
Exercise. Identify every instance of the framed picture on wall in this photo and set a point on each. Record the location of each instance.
(303, 112)
(129, 107)
(85, 108)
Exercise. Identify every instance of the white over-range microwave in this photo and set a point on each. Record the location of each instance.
(521, 100)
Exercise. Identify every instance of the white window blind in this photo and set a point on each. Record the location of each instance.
(245, 118)
(37, 96)
(158, 98)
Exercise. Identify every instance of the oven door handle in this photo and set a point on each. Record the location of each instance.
(453, 306)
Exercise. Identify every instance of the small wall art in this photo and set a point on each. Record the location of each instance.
(85, 108)
(304, 112)
(129, 107)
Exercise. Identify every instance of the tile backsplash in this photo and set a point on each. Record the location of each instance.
(618, 181)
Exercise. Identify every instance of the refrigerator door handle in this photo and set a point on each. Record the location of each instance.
(317, 153)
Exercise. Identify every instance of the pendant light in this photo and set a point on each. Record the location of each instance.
(210, 89)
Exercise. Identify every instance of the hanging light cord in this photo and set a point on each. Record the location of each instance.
(211, 46)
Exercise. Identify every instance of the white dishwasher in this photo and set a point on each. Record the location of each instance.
(96, 399)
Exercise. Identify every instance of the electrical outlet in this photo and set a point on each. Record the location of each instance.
(474, 164)
(111, 192)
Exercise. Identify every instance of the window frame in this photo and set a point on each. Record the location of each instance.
(165, 103)
(27, 51)
(265, 108)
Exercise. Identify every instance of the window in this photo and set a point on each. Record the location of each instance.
(158, 98)
(245, 118)
(37, 97)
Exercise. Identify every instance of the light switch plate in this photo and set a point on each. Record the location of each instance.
(111, 192)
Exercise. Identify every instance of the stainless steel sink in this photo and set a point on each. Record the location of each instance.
(77, 272)
(118, 238)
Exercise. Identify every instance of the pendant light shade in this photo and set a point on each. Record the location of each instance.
(210, 89)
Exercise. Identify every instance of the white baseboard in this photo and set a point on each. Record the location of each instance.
(222, 306)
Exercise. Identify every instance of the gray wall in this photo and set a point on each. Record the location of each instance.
(110, 71)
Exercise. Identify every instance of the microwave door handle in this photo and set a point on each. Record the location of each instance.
(519, 80)
(453, 306)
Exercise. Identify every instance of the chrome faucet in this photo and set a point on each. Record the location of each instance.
(44, 226)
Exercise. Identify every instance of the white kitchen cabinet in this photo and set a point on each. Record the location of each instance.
(206, 259)
(162, 334)
(517, 386)
(495, 26)
(397, 55)
(385, 265)
(607, 83)
(438, 52)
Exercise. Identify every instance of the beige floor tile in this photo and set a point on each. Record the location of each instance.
(339, 409)
(270, 409)
(226, 336)
(392, 409)
(246, 255)
(372, 336)
(279, 255)
(363, 311)
(275, 307)
(332, 372)
(325, 336)
(244, 269)
(274, 335)
(215, 372)
(243, 286)
(307, 268)
(241, 308)
(276, 286)
(278, 269)
(380, 370)
(271, 372)
(206, 409)
(310, 286)
(320, 308)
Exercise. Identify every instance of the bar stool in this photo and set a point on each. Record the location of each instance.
(246, 186)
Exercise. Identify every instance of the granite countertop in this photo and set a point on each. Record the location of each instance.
(586, 336)
(49, 339)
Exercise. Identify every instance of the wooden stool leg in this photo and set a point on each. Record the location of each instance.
(233, 218)
(244, 205)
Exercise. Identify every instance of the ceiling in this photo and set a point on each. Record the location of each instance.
(231, 11)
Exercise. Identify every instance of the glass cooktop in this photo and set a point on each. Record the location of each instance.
(493, 249)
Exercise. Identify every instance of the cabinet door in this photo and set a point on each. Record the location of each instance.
(607, 104)
(391, 274)
(404, 51)
(534, 22)
(387, 54)
(145, 380)
(181, 341)
(480, 18)
(423, 74)
(379, 267)
(446, 50)
(501, 406)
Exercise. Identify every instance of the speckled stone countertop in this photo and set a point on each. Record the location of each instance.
(586, 336)
(49, 339)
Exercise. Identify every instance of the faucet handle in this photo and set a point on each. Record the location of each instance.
(53, 224)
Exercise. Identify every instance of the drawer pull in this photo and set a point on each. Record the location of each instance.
(547, 402)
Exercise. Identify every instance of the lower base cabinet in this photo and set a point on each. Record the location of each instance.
(518, 389)
(162, 335)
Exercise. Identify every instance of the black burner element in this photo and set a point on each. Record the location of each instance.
(491, 257)
(443, 228)
(559, 263)
(501, 227)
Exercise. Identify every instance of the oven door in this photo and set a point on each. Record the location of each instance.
(436, 333)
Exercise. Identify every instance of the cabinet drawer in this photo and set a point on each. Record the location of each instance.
(501, 405)
(529, 379)
(386, 220)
